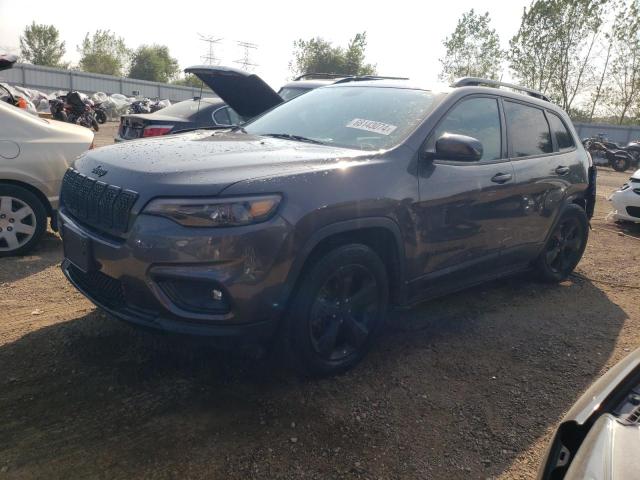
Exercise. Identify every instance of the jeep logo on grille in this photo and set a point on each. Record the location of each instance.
(99, 171)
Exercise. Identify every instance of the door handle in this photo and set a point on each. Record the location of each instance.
(562, 170)
(501, 177)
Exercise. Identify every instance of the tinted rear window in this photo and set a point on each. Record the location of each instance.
(563, 137)
(528, 130)
(185, 109)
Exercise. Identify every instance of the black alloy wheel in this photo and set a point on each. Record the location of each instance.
(565, 245)
(344, 312)
(337, 310)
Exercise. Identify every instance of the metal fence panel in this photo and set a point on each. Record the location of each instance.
(621, 134)
(50, 79)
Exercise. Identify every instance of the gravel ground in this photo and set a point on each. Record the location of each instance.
(468, 386)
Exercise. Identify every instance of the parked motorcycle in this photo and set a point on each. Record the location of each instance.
(100, 113)
(156, 105)
(58, 112)
(140, 106)
(73, 108)
(610, 154)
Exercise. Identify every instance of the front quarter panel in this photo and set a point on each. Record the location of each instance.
(381, 185)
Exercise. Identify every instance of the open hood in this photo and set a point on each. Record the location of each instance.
(7, 61)
(245, 92)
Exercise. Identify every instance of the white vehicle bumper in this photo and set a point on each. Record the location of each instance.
(626, 203)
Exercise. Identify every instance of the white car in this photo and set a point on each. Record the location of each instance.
(626, 200)
(34, 155)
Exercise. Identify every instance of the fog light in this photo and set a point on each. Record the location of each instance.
(195, 295)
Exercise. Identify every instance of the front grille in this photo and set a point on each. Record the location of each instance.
(95, 203)
(634, 211)
(104, 289)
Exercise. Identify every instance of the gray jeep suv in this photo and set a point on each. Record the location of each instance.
(308, 223)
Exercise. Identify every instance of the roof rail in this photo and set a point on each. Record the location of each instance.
(476, 81)
(363, 78)
(319, 75)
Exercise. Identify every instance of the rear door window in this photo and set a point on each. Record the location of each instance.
(478, 118)
(528, 130)
(560, 130)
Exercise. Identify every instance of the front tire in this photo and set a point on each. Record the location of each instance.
(565, 246)
(23, 220)
(337, 311)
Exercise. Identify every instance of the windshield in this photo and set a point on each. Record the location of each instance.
(362, 117)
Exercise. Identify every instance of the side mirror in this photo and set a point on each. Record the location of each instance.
(461, 148)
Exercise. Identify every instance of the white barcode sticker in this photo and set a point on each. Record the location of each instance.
(371, 126)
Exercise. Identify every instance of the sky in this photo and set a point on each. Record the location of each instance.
(404, 37)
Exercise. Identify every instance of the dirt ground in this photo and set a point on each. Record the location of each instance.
(469, 386)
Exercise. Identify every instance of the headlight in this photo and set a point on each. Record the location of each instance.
(215, 212)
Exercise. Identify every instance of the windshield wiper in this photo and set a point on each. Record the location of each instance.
(297, 138)
(209, 127)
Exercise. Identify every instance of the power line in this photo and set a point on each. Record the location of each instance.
(245, 61)
(210, 57)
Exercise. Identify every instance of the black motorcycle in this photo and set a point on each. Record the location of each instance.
(58, 112)
(100, 113)
(73, 108)
(632, 148)
(140, 106)
(610, 154)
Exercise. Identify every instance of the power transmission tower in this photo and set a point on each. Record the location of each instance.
(245, 61)
(210, 58)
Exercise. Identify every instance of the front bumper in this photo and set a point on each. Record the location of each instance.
(128, 275)
(626, 205)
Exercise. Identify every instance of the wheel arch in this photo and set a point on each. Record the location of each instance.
(381, 234)
(37, 192)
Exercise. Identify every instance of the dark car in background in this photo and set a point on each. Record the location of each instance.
(307, 82)
(185, 115)
(306, 224)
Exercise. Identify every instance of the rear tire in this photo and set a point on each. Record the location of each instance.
(23, 220)
(565, 246)
(337, 311)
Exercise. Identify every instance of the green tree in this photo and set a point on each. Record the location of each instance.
(103, 52)
(320, 56)
(189, 80)
(623, 91)
(40, 44)
(553, 49)
(472, 50)
(153, 62)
